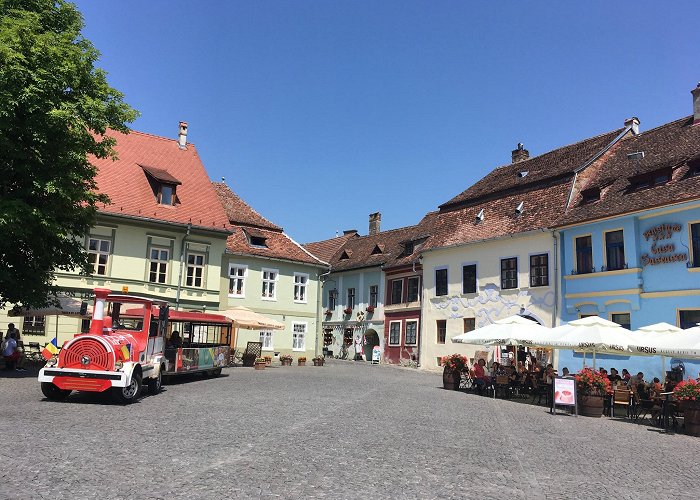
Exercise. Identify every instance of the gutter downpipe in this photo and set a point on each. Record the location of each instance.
(182, 263)
(319, 329)
(555, 312)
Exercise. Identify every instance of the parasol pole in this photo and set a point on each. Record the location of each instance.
(594, 359)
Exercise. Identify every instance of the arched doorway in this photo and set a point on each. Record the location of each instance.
(371, 340)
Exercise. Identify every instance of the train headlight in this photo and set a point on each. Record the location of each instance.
(118, 365)
(51, 362)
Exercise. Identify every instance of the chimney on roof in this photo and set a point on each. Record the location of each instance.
(520, 154)
(182, 136)
(633, 124)
(349, 231)
(696, 104)
(375, 221)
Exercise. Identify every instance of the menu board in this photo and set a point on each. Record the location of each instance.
(564, 391)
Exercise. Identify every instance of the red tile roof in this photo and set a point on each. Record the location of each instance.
(561, 162)
(126, 182)
(326, 249)
(247, 222)
(674, 145)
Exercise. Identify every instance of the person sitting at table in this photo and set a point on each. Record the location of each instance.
(565, 372)
(534, 365)
(521, 367)
(495, 369)
(480, 378)
(513, 378)
(548, 375)
(626, 375)
(636, 380)
(614, 377)
(655, 387)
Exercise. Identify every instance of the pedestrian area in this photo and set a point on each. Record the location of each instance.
(344, 430)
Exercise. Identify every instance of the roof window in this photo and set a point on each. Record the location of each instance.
(694, 167)
(345, 255)
(163, 184)
(650, 179)
(590, 195)
(408, 248)
(378, 250)
(520, 208)
(479, 216)
(523, 173)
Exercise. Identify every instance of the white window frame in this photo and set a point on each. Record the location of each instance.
(266, 339)
(269, 282)
(400, 333)
(196, 266)
(297, 335)
(405, 335)
(304, 285)
(159, 249)
(97, 253)
(231, 267)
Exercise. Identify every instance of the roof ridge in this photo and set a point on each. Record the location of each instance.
(685, 118)
(618, 130)
(249, 207)
(161, 137)
(305, 250)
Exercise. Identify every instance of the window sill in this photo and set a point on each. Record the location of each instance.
(269, 299)
(268, 349)
(301, 301)
(236, 296)
(599, 274)
(299, 350)
(394, 345)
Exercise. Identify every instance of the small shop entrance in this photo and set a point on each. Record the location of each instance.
(371, 340)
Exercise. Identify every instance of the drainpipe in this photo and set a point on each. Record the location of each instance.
(182, 264)
(555, 311)
(319, 328)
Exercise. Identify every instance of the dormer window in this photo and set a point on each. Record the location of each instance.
(479, 216)
(256, 238)
(520, 208)
(408, 248)
(522, 173)
(590, 195)
(378, 250)
(650, 179)
(258, 241)
(694, 167)
(163, 184)
(344, 256)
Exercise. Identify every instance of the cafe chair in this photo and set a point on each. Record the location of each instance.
(621, 397)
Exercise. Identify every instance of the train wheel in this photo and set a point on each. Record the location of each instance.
(54, 393)
(130, 393)
(155, 384)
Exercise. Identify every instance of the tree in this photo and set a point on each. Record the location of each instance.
(55, 107)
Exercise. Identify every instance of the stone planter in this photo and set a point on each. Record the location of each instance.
(451, 379)
(590, 406)
(301, 363)
(318, 362)
(286, 362)
(260, 365)
(691, 417)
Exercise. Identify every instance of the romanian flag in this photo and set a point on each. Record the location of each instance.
(50, 350)
(126, 352)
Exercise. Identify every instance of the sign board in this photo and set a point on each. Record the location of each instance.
(564, 393)
(376, 354)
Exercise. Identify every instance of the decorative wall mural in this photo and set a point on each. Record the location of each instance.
(490, 305)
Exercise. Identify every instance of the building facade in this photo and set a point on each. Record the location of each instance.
(265, 270)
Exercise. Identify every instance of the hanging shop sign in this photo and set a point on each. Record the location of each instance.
(662, 251)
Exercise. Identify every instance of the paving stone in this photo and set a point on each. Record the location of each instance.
(345, 430)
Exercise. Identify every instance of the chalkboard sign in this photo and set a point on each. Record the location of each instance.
(564, 393)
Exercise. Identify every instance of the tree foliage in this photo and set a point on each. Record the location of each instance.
(55, 107)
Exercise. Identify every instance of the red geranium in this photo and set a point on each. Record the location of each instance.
(687, 390)
(592, 383)
(454, 362)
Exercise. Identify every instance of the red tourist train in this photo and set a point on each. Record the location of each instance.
(126, 349)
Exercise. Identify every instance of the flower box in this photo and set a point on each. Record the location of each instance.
(347, 311)
(370, 309)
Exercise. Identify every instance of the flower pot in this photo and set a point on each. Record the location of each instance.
(590, 406)
(260, 365)
(286, 362)
(451, 379)
(318, 362)
(691, 417)
(301, 363)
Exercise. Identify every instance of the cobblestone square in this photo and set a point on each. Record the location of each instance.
(345, 430)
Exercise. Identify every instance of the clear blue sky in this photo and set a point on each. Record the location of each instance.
(321, 112)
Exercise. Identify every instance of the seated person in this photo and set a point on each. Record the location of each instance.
(174, 342)
(12, 353)
(655, 387)
(614, 377)
(495, 369)
(548, 375)
(480, 378)
(626, 375)
(565, 372)
(513, 377)
(636, 380)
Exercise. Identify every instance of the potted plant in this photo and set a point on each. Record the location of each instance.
(286, 359)
(318, 360)
(592, 387)
(454, 365)
(328, 312)
(370, 309)
(687, 392)
(301, 361)
(260, 363)
(347, 311)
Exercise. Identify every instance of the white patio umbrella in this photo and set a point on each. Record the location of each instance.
(652, 334)
(67, 306)
(243, 317)
(512, 331)
(593, 334)
(683, 344)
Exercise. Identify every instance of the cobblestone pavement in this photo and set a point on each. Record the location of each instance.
(346, 430)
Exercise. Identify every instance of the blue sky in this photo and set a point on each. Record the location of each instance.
(318, 113)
